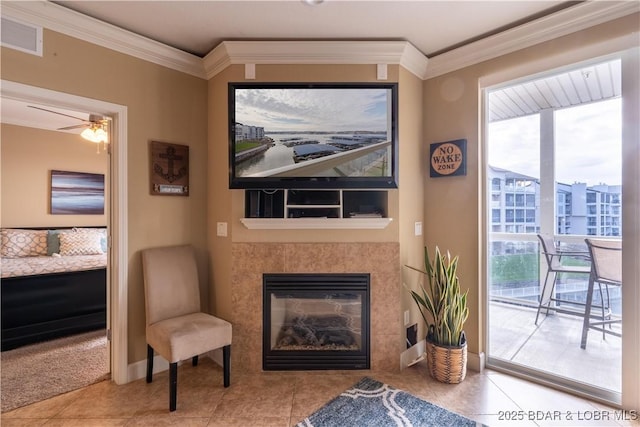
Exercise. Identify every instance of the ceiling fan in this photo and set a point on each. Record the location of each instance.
(93, 118)
(96, 125)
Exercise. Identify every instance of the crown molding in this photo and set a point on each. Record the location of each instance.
(566, 21)
(74, 24)
(71, 23)
(315, 52)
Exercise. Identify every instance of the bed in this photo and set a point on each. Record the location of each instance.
(53, 283)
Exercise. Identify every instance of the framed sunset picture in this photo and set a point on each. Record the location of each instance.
(77, 193)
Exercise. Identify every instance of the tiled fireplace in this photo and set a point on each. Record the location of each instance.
(379, 260)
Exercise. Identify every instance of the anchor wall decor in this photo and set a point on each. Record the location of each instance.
(169, 169)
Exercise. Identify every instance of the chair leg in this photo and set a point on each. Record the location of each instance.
(149, 363)
(553, 289)
(587, 315)
(603, 310)
(226, 364)
(544, 288)
(194, 361)
(173, 385)
(609, 312)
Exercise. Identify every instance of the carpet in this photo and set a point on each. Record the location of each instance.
(372, 403)
(39, 371)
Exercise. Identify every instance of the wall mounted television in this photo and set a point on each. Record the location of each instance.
(313, 135)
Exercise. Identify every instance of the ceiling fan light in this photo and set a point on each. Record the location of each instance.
(95, 134)
(88, 134)
(101, 134)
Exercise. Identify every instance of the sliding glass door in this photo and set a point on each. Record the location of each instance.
(553, 169)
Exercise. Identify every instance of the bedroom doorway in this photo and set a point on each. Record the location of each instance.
(115, 208)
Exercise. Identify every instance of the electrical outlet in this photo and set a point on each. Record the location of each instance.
(417, 228)
(406, 317)
(222, 229)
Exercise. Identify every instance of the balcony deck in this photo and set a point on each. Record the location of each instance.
(554, 345)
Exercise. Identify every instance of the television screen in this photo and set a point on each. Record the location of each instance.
(313, 135)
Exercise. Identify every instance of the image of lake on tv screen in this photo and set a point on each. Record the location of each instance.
(308, 132)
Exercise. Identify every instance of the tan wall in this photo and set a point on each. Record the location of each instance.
(163, 105)
(28, 156)
(228, 205)
(411, 195)
(453, 209)
(404, 205)
(219, 202)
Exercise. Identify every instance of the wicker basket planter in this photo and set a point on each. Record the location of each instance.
(443, 306)
(447, 364)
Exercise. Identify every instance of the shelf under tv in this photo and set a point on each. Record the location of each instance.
(315, 223)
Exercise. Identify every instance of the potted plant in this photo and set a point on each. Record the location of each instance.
(444, 310)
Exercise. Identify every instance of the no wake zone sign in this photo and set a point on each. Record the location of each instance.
(448, 158)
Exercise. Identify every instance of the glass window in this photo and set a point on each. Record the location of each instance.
(509, 199)
(508, 215)
(495, 184)
(530, 215)
(582, 164)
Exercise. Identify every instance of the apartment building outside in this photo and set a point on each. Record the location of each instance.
(580, 209)
(244, 132)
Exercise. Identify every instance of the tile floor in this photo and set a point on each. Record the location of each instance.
(285, 398)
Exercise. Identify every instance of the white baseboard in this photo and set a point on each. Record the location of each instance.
(475, 361)
(138, 370)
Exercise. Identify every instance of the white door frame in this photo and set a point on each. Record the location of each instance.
(631, 227)
(117, 313)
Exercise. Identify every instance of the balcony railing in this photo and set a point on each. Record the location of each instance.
(372, 160)
(517, 271)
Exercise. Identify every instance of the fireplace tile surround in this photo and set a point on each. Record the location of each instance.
(251, 260)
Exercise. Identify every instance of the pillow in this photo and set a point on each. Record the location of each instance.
(53, 241)
(79, 243)
(17, 243)
(101, 231)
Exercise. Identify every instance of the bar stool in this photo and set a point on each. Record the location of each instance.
(606, 269)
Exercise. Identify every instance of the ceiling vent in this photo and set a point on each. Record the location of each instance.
(21, 36)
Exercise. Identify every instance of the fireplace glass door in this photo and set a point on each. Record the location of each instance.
(316, 321)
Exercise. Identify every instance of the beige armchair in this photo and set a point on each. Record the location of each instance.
(176, 328)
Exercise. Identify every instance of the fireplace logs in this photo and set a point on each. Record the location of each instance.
(317, 333)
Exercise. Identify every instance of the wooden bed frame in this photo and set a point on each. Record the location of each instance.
(43, 307)
(46, 306)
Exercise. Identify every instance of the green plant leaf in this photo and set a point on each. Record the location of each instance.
(441, 300)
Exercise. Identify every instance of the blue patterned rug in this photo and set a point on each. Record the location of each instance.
(372, 403)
